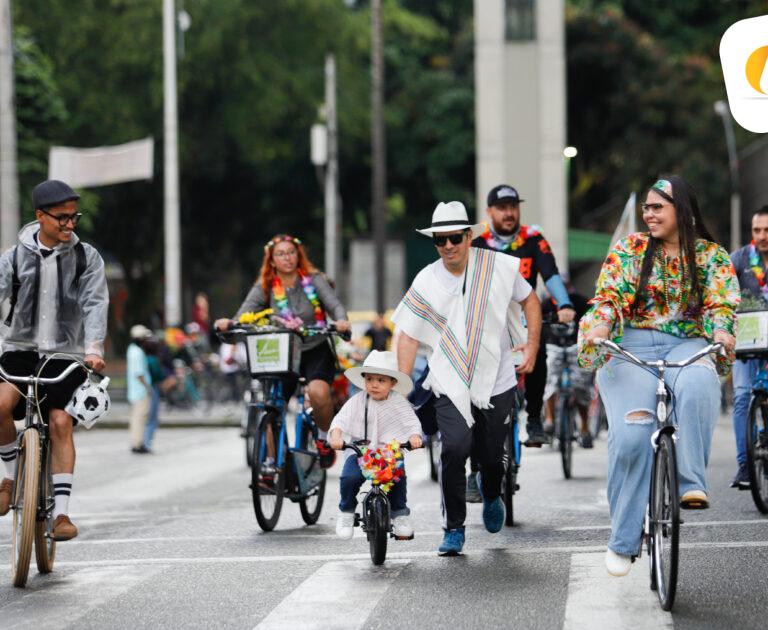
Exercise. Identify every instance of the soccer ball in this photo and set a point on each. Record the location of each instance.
(89, 402)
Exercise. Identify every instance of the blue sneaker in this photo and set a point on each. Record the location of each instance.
(741, 480)
(493, 515)
(453, 542)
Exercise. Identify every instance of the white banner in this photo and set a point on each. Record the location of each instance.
(102, 165)
(628, 221)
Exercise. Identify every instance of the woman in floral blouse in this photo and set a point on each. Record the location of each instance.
(663, 294)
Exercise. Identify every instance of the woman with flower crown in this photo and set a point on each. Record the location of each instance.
(300, 296)
(664, 294)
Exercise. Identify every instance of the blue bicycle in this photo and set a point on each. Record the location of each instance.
(757, 435)
(282, 466)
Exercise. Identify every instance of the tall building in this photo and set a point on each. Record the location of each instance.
(520, 111)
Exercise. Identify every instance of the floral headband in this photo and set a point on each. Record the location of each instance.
(663, 186)
(285, 238)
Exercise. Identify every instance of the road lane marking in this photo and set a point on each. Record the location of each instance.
(60, 600)
(349, 591)
(399, 555)
(598, 600)
(764, 521)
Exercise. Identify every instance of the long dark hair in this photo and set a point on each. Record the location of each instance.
(690, 226)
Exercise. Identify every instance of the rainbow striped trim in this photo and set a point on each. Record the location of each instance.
(480, 289)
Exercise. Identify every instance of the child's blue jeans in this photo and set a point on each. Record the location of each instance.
(352, 479)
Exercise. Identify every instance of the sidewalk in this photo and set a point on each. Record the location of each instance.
(218, 415)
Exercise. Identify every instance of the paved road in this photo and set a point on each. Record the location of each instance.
(169, 540)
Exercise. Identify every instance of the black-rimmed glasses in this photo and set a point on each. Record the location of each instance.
(441, 239)
(63, 219)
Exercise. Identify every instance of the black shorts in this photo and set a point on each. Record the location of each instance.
(56, 396)
(318, 363)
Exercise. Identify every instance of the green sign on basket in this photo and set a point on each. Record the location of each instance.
(268, 350)
(749, 329)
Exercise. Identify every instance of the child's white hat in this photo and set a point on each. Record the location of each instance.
(380, 363)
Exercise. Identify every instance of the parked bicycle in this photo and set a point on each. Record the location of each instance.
(280, 471)
(662, 522)
(33, 499)
(374, 517)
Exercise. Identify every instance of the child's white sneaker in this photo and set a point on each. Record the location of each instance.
(345, 525)
(401, 528)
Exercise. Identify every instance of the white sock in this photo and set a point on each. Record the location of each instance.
(62, 487)
(322, 435)
(8, 456)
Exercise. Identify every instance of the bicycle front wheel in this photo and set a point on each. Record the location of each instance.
(510, 475)
(45, 545)
(565, 434)
(311, 506)
(267, 479)
(757, 452)
(378, 528)
(25, 505)
(664, 520)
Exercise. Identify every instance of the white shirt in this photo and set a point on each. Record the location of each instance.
(389, 419)
(506, 377)
(47, 303)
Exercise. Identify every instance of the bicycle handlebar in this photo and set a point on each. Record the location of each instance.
(43, 381)
(304, 331)
(355, 446)
(607, 343)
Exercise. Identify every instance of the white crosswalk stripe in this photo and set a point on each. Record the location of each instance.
(338, 595)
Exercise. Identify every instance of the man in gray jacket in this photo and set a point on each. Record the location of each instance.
(58, 303)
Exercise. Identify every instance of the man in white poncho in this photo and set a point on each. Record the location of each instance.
(466, 307)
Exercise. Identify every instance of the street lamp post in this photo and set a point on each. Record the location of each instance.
(9, 183)
(722, 110)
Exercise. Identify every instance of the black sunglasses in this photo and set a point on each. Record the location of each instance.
(63, 219)
(441, 239)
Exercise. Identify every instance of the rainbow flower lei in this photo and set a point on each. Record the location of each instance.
(383, 466)
(757, 268)
(284, 311)
(523, 234)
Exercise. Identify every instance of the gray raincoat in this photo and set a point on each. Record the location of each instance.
(81, 310)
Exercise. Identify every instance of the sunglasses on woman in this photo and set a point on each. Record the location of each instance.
(441, 239)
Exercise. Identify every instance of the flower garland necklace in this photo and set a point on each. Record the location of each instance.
(495, 243)
(284, 310)
(755, 264)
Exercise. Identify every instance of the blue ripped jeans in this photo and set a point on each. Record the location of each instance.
(629, 395)
(744, 373)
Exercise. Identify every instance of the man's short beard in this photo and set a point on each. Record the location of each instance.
(502, 232)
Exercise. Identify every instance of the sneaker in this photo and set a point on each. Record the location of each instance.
(473, 492)
(402, 528)
(493, 515)
(549, 427)
(327, 454)
(140, 450)
(345, 525)
(63, 528)
(453, 542)
(617, 564)
(585, 439)
(694, 500)
(6, 496)
(740, 481)
(537, 438)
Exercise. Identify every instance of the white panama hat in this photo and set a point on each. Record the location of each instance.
(449, 217)
(380, 363)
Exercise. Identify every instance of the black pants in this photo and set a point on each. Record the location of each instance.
(488, 434)
(535, 383)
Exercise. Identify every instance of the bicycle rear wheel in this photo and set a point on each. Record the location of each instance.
(311, 506)
(664, 521)
(25, 505)
(565, 434)
(267, 480)
(45, 545)
(757, 451)
(378, 527)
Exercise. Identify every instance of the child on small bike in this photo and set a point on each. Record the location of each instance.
(380, 413)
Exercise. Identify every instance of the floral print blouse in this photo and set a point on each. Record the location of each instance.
(666, 307)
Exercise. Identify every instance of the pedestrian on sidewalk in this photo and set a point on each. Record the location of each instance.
(139, 384)
(157, 376)
(466, 308)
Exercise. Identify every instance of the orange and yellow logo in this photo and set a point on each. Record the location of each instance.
(757, 75)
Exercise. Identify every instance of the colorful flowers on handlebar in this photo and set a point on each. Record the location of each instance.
(383, 466)
(259, 319)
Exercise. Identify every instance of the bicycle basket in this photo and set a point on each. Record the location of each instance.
(274, 353)
(752, 333)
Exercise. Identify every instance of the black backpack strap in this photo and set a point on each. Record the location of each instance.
(80, 263)
(15, 286)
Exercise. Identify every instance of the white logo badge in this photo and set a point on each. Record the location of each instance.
(744, 57)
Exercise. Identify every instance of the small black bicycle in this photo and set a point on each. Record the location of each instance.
(375, 519)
